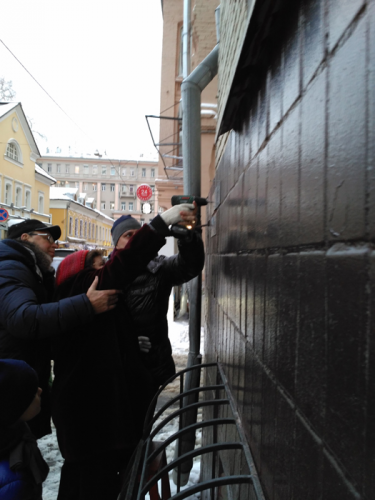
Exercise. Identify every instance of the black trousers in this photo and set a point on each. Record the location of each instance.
(99, 477)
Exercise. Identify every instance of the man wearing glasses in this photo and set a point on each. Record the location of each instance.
(28, 317)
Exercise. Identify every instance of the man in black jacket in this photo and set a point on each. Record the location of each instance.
(147, 298)
(28, 318)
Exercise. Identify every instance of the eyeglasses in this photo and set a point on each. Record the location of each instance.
(46, 236)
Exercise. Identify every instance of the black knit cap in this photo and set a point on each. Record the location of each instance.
(123, 224)
(18, 387)
(30, 225)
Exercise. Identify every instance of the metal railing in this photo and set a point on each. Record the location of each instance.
(216, 400)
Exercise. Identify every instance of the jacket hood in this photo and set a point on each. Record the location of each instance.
(14, 250)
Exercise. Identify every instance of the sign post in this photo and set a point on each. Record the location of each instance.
(144, 192)
(4, 214)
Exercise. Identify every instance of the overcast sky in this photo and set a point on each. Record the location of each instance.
(99, 60)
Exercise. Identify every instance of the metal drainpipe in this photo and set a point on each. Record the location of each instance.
(191, 89)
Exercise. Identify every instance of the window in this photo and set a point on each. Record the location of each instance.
(152, 188)
(8, 194)
(112, 188)
(103, 186)
(89, 229)
(92, 231)
(132, 172)
(18, 197)
(143, 172)
(80, 227)
(94, 186)
(85, 169)
(103, 205)
(85, 186)
(130, 206)
(131, 189)
(76, 227)
(94, 169)
(58, 168)
(49, 168)
(28, 200)
(76, 169)
(123, 171)
(123, 188)
(113, 171)
(152, 172)
(85, 229)
(76, 185)
(104, 170)
(12, 151)
(123, 205)
(67, 169)
(96, 232)
(100, 233)
(70, 225)
(112, 205)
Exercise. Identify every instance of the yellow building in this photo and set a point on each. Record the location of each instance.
(82, 226)
(24, 186)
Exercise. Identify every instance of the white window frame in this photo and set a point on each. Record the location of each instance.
(8, 192)
(131, 206)
(9, 156)
(41, 202)
(112, 188)
(18, 196)
(28, 199)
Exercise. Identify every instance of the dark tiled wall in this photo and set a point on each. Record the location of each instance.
(291, 262)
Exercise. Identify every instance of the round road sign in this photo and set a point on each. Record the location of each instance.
(144, 192)
(4, 214)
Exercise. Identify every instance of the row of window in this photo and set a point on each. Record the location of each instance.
(18, 203)
(94, 170)
(89, 230)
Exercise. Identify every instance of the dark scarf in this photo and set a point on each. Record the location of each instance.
(19, 445)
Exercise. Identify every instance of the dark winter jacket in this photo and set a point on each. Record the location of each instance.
(28, 320)
(148, 297)
(22, 467)
(101, 389)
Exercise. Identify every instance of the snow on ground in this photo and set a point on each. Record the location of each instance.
(179, 337)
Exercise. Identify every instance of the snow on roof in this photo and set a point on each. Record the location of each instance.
(53, 152)
(41, 171)
(62, 193)
(104, 215)
(6, 107)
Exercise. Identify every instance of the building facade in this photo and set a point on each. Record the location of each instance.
(24, 186)
(82, 227)
(290, 286)
(110, 184)
(203, 39)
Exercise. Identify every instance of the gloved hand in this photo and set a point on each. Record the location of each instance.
(172, 216)
(144, 344)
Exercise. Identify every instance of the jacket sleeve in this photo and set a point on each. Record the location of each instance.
(24, 317)
(188, 263)
(126, 264)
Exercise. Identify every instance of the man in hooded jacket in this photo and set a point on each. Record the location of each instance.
(28, 317)
(147, 298)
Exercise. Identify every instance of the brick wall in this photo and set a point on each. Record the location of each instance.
(290, 264)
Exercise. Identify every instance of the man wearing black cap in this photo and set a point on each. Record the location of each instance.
(147, 298)
(28, 318)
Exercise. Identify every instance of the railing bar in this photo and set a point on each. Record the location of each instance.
(187, 393)
(186, 456)
(181, 432)
(144, 466)
(185, 409)
(212, 483)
